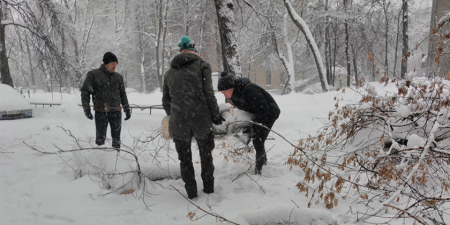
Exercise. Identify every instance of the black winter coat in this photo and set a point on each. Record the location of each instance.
(107, 90)
(188, 97)
(252, 98)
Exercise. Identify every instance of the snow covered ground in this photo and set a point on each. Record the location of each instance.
(38, 188)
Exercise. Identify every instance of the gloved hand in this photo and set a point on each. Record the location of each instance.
(218, 120)
(127, 114)
(88, 113)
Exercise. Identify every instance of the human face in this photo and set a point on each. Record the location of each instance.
(228, 93)
(111, 67)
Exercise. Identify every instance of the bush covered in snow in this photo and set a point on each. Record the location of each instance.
(389, 151)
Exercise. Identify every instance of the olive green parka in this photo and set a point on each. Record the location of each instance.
(188, 97)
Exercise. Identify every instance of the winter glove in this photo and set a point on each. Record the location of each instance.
(88, 113)
(127, 114)
(218, 120)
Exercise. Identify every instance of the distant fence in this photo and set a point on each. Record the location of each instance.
(132, 106)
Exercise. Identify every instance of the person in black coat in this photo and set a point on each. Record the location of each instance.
(252, 98)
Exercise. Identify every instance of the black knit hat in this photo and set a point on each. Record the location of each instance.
(226, 81)
(109, 57)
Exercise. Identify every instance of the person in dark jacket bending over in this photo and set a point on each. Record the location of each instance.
(188, 98)
(252, 98)
(108, 93)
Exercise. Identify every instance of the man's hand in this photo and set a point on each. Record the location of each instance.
(218, 120)
(127, 114)
(88, 113)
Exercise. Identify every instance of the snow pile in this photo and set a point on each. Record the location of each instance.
(403, 111)
(415, 141)
(70, 109)
(11, 100)
(282, 214)
(117, 171)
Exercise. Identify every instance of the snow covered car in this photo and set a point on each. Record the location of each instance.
(13, 105)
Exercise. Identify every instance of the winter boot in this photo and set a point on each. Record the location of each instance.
(208, 186)
(191, 190)
(258, 170)
(258, 166)
(262, 160)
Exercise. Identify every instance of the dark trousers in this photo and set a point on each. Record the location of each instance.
(258, 142)
(114, 118)
(206, 145)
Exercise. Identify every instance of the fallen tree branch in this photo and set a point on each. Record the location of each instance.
(221, 218)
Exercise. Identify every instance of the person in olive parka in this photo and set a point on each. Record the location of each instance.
(108, 94)
(252, 98)
(188, 98)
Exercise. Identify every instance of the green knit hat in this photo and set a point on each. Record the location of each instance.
(186, 43)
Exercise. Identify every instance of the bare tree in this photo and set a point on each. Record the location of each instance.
(405, 39)
(300, 23)
(160, 35)
(4, 66)
(347, 44)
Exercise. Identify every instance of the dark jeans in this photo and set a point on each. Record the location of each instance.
(259, 139)
(114, 118)
(206, 145)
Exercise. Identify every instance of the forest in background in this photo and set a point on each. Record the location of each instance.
(52, 43)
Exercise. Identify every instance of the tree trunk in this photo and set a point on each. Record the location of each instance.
(347, 54)
(158, 45)
(334, 55)
(230, 54)
(288, 62)
(4, 66)
(327, 45)
(386, 35)
(33, 79)
(163, 50)
(141, 43)
(355, 67)
(405, 39)
(396, 44)
(300, 23)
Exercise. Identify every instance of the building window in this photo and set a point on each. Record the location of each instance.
(268, 78)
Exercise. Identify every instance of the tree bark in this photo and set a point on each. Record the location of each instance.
(334, 55)
(355, 67)
(347, 54)
(386, 36)
(405, 39)
(327, 45)
(230, 54)
(4, 65)
(158, 45)
(396, 43)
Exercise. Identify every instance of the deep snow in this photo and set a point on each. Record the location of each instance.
(40, 188)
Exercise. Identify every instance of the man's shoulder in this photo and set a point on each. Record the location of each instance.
(204, 63)
(95, 71)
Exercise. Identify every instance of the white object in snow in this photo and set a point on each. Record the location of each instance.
(12, 104)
